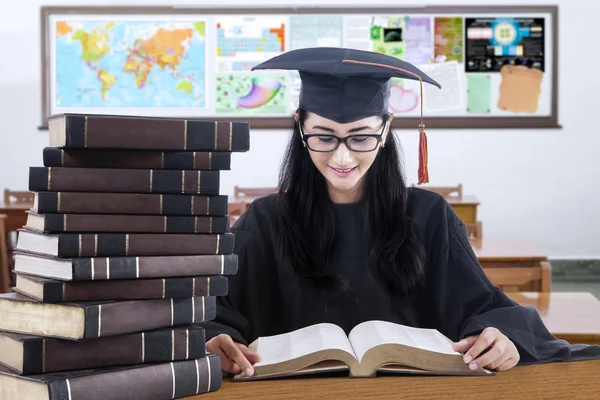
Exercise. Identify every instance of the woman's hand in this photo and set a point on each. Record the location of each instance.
(235, 357)
(502, 354)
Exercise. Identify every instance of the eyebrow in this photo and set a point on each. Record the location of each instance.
(357, 129)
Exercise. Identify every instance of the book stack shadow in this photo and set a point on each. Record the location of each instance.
(123, 254)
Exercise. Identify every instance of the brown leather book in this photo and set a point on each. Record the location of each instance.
(27, 354)
(53, 291)
(171, 380)
(69, 245)
(109, 268)
(54, 223)
(136, 159)
(129, 203)
(79, 131)
(93, 319)
(114, 180)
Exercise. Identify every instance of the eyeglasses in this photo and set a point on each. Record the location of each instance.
(328, 143)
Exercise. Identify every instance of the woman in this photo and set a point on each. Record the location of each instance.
(345, 241)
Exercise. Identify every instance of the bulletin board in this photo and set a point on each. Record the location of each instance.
(497, 64)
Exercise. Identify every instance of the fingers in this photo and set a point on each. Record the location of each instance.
(497, 351)
(508, 364)
(232, 351)
(497, 362)
(464, 344)
(249, 354)
(485, 340)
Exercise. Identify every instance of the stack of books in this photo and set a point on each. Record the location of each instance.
(122, 255)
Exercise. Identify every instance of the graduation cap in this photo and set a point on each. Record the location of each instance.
(345, 85)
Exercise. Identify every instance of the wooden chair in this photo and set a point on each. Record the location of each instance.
(18, 197)
(235, 209)
(240, 193)
(475, 231)
(455, 192)
(528, 279)
(4, 266)
(12, 197)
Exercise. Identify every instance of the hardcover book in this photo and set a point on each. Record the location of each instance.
(29, 355)
(53, 291)
(372, 347)
(129, 203)
(114, 180)
(69, 245)
(172, 380)
(147, 133)
(109, 268)
(136, 159)
(88, 320)
(53, 223)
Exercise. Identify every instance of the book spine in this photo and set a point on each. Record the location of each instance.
(123, 180)
(160, 381)
(141, 244)
(130, 159)
(107, 268)
(44, 355)
(122, 317)
(155, 133)
(131, 203)
(134, 223)
(56, 291)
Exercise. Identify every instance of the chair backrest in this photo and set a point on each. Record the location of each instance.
(251, 193)
(4, 265)
(18, 197)
(475, 230)
(447, 191)
(236, 208)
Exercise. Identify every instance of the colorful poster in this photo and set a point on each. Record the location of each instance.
(418, 40)
(245, 41)
(520, 89)
(450, 97)
(251, 93)
(448, 38)
(479, 88)
(310, 30)
(495, 42)
(122, 64)
(387, 36)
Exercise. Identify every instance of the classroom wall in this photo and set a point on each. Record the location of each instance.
(540, 184)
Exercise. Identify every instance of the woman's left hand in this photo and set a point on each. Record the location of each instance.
(502, 354)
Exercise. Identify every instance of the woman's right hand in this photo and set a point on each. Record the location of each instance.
(235, 357)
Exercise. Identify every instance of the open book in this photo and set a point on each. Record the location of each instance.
(370, 348)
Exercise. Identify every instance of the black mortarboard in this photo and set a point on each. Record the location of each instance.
(346, 85)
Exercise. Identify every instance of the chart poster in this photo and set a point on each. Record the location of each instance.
(492, 43)
(246, 41)
(448, 39)
(311, 30)
(251, 93)
(133, 64)
(452, 97)
(418, 40)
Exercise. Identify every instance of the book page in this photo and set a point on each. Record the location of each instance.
(374, 333)
(298, 343)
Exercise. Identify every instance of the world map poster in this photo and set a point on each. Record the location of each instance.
(121, 63)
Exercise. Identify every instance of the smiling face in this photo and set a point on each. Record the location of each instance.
(343, 168)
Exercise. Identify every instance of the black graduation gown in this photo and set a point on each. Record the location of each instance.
(459, 300)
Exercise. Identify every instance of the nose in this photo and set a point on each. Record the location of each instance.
(342, 157)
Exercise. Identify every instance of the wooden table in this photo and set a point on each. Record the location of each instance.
(465, 207)
(15, 215)
(572, 316)
(513, 263)
(573, 380)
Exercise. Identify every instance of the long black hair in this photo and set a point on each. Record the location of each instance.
(307, 222)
